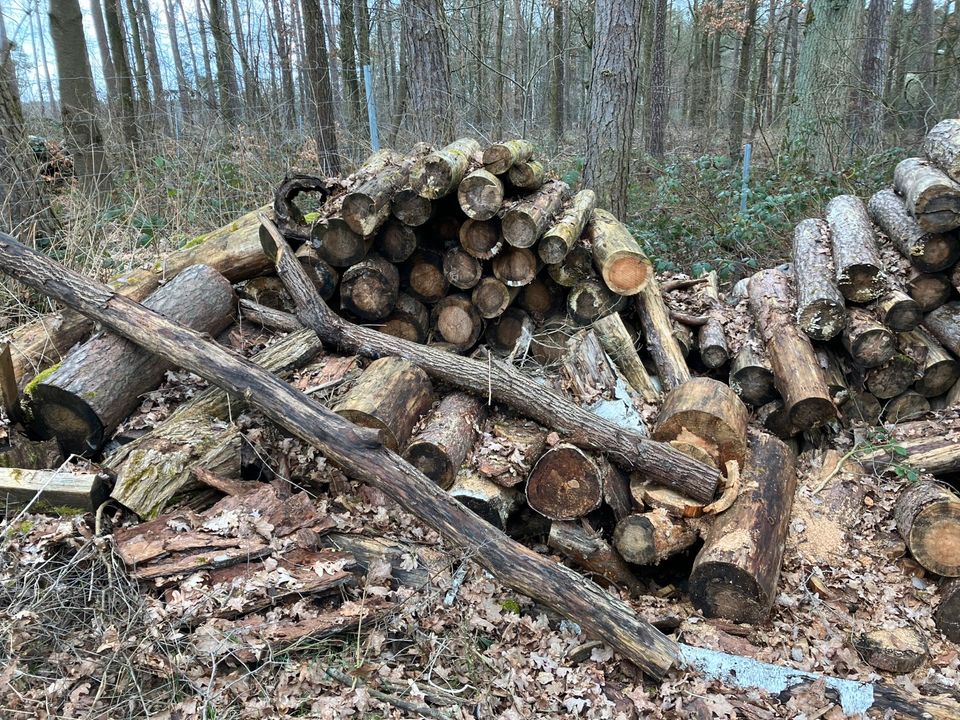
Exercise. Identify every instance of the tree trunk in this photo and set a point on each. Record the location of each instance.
(282, 32)
(738, 103)
(867, 118)
(928, 519)
(480, 195)
(320, 95)
(658, 83)
(618, 344)
(711, 338)
(942, 147)
(153, 60)
(106, 62)
(944, 324)
(250, 93)
(458, 321)
(226, 73)
(557, 77)
(424, 35)
(566, 483)
(938, 370)
(183, 87)
(929, 194)
(139, 56)
(117, 35)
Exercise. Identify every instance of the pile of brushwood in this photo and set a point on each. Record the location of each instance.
(493, 352)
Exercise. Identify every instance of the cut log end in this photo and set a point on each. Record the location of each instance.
(823, 319)
(725, 591)
(861, 283)
(565, 484)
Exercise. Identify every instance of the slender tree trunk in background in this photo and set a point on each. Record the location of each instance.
(403, 93)
(153, 58)
(333, 54)
(481, 106)
(139, 58)
(299, 44)
(866, 126)
(613, 91)
(282, 34)
(658, 82)
(738, 103)
(519, 81)
(716, 80)
(425, 35)
(103, 46)
(183, 89)
(320, 94)
(41, 39)
(78, 100)
(558, 80)
(385, 38)
(925, 50)
(498, 81)
(646, 21)
(348, 59)
(891, 90)
(250, 90)
(193, 55)
(699, 82)
(764, 109)
(362, 22)
(226, 73)
(118, 49)
(203, 30)
(788, 56)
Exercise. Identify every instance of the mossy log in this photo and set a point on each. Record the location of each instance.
(370, 288)
(590, 552)
(439, 173)
(559, 239)
(617, 256)
(869, 342)
(616, 340)
(942, 146)
(658, 330)
(440, 447)
(751, 375)
(576, 267)
(461, 268)
(82, 489)
(500, 157)
(527, 175)
(409, 320)
(526, 219)
(480, 194)
(928, 519)
(820, 305)
(491, 297)
(928, 251)
(458, 321)
(856, 259)
(651, 537)
(929, 194)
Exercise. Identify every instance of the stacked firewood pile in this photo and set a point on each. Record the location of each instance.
(503, 342)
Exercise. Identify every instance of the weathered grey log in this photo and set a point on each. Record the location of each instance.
(367, 206)
(711, 338)
(541, 298)
(592, 553)
(492, 297)
(83, 489)
(526, 220)
(480, 194)
(396, 241)
(947, 615)
(500, 157)
(616, 340)
(929, 194)
(411, 209)
(493, 503)
(424, 279)
(929, 290)
(820, 306)
(440, 447)
(515, 267)
(751, 376)
(907, 406)
(461, 268)
(671, 366)
(942, 146)
(896, 375)
(869, 342)
(576, 267)
(856, 259)
(928, 251)
(898, 311)
(440, 172)
(558, 240)
(323, 275)
(944, 324)
(651, 537)
(939, 370)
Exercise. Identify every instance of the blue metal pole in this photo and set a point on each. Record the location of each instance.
(744, 186)
(371, 109)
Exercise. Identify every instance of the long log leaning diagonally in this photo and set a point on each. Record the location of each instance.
(663, 347)
(358, 452)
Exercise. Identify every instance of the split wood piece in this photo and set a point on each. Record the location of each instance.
(616, 340)
(491, 297)
(508, 329)
(458, 321)
(369, 289)
(861, 406)
(558, 240)
(939, 370)
(735, 573)
(944, 324)
(9, 392)
(266, 291)
(155, 467)
(929, 194)
(83, 489)
(526, 175)
(481, 238)
(480, 195)
(233, 250)
(461, 268)
(907, 406)
(928, 519)
(898, 311)
(616, 489)
(705, 415)
(439, 173)
(929, 290)
(590, 300)
(928, 251)
(659, 497)
(711, 338)
(901, 650)
(425, 280)
(566, 483)
(658, 330)
(820, 305)
(500, 157)
(367, 206)
(408, 321)
(100, 383)
(893, 378)
(942, 146)
(493, 503)
(616, 255)
(411, 209)
(521, 443)
(515, 267)
(576, 267)
(541, 298)
(396, 242)
(589, 551)
(751, 375)
(529, 217)
(857, 263)
(651, 537)
(22, 452)
(500, 382)
(797, 375)
(869, 343)
(440, 448)
(361, 456)
(323, 275)
(947, 614)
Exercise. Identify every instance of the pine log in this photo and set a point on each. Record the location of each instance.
(411, 209)
(508, 329)
(861, 406)
(369, 289)
(892, 378)
(869, 343)
(493, 503)
(424, 277)
(492, 298)
(928, 519)
(671, 367)
(820, 306)
(942, 146)
(480, 195)
(685, 338)
(711, 338)
(83, 489)
(907, 406)
(751, 375)
(408, 321)
(85, 397)
(390, 396)
(366, 207)
(590, 300)
(461, 268)
(439, 173)
(929, 290)
(482, 239)
(797, 375)
(928, 251)
(944, 324)
(859, 269)
(618, 257)
(936, 452)
(898, 311)
(458, 322)
(929, 194)
(591, 552)
(526, 220)
(541, 298)
(576, 267)
(515, 267)
(500, 157)
(439, 449)
(9, 392)
(558, 240)
(321, 273)
(526, 175)
(156, 466)
(565, 484)
(735, 574)
(659, 497)
(707, 414)
(947, 615)
(651, 537)
(939, 370)
(396, 242)
(616, 340)
(360, 455)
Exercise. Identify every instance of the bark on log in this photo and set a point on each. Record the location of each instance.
(482, 239)
(528, 218)
(9, 392)
(590, 300)
(440, 448)
(907, 406)
(360, 455)
(522, 443)
(576, 267)
(84, 399)
(944, 324)
(651, 537)
(500, 157)
(424, 277)
(370, 288)
(832, 371)
(461, 268)
(685, 338)
(859, 269)
(735, 574)
(928, 519)
(367, 206)
(411, 209)
(898, 311)
(820, 305)
(591, 552)
(390, 396)
(947, 615)
(439, 173)
(565, 233)
(508, 329)
(942, 146)
(480, 195)
(526, 175)
(797, 375)
(937, 454)
(493, 503)
(268, 318)
(892, 378)
(711, 338)
(939, 370)
(492, 298)
(289, 217)
(618, 257)
(751, 375)
(321, 273)
(541, 298)
(458, 321)
(616, 340)
(928, 251)
(515, 267)
(408, 321)
(657, 329)
(869, 343)
(565, 484)
(83, 489)
(396, 242)
(929, 290)
(929, 194)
